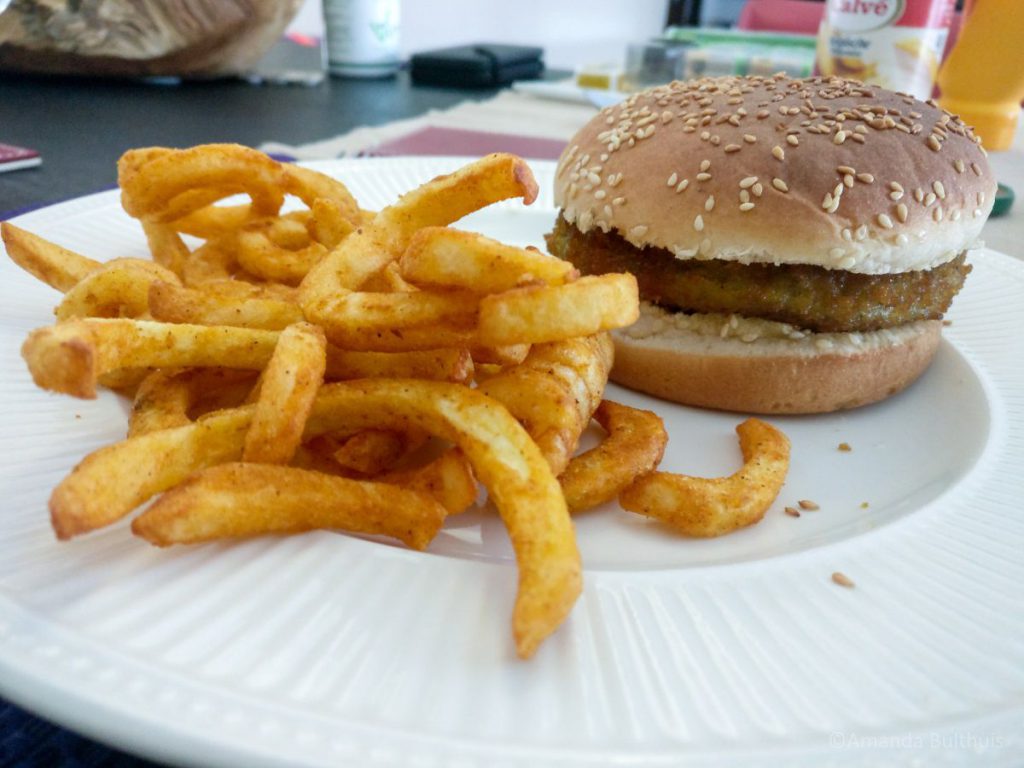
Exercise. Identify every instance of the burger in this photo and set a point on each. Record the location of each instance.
(796, 242)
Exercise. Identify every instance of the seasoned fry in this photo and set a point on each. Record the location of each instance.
(554, 392)
(550, 313)
(708, 507)
(328, 224)
(402, 321)
(206, 306)
(374, 451)
(633, 448)
(112, 481)
(166, 246)
(162, 186)
(69, 357)
(440, 201)
(58, 267)
(448, 478)
(214, 220)
(287, 390)
(118, 288)
(170, 398)
(240, 500)
(453, 365)
(309, 186)
(260, 256)
(443, 257)
(214, 260)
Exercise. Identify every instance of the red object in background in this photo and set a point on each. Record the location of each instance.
(796, 16)
(13, 158)
(433, 140)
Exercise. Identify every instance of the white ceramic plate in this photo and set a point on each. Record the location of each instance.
(327, 649)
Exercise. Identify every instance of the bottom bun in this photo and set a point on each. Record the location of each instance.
(743, 364)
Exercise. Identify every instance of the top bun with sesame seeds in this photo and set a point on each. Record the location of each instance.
(822, 206)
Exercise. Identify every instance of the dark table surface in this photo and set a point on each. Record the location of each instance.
(81, 127)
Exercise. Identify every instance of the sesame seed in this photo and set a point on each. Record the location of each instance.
(847, 234)
(780, 185)
(839, 138)
(608, 212)
(698, 223)
(976, 168)
(826, 202)
(778, 153)
(703, 176)
(757, 189)
(749, 138)
(744, 196)
(845, 170)
(895, 186)
(884, 221)
(937, 213)
(842, 580)
(638, 231)
(808, 505)
(896, 194)
(792, 511)
(673, 180)
(933, 143)
(837, 190)
(929, 199)
(939, 189)
(955, 215)
(836, 253)
(748, 182)
(716, 140)
(848, 180)
(614, 179)
(730, 148)
(600, 194)
(746, 207)
(593, 178)
(705, 164)
(619, 201)
(867, 178)
(901, 213)
(704, 136)
(762, 114)
(919, 195)
(682, 185)
(861, 233)
(793, 141)
(709, 204)
(902, 239)
(858, 137)
(847, 262)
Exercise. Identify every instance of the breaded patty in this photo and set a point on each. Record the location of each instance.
(814, 298)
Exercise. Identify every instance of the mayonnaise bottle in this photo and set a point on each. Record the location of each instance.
(896, 44)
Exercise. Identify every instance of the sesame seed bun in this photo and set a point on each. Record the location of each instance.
(739, 364)
(825, 172)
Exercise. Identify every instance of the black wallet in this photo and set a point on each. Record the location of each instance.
(482, 65)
